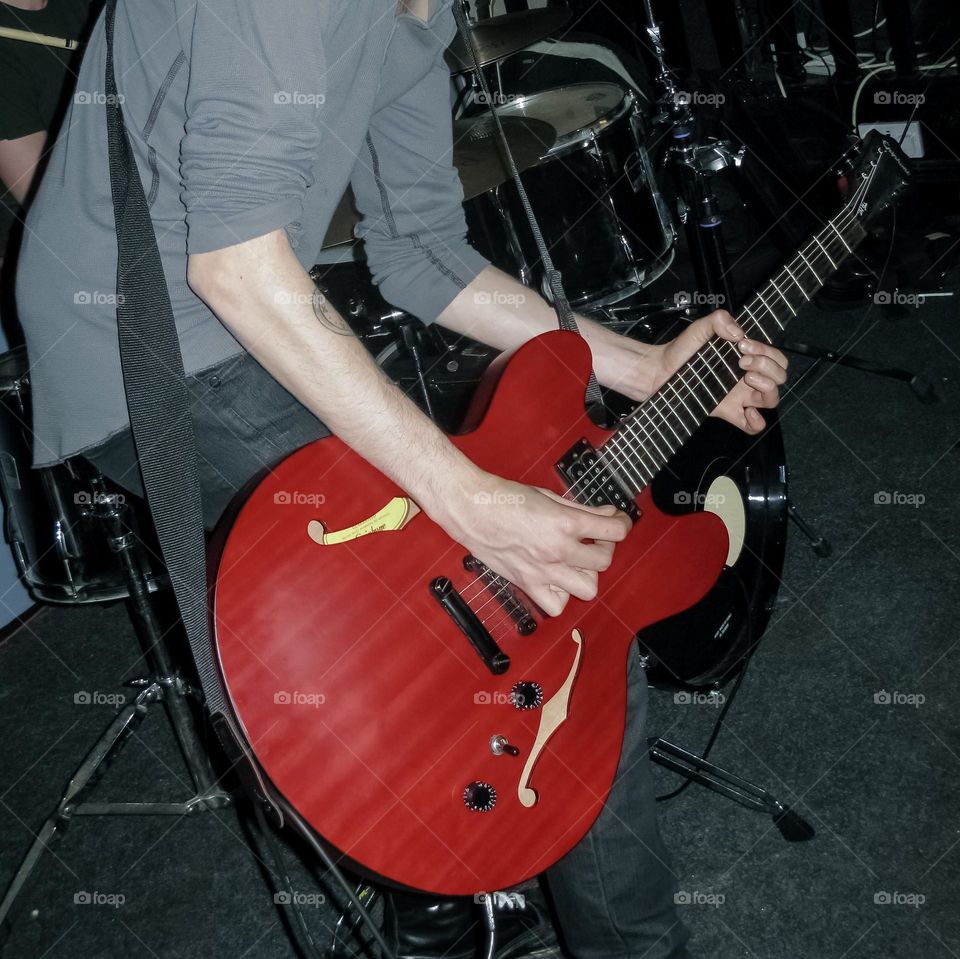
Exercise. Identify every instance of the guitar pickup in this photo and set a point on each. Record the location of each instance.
(582, 469)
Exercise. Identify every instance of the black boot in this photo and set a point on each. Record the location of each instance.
(424, 927)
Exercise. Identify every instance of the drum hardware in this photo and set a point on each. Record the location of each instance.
(693, 165)
(598, 205)
(498, 37)
(477, 159)
(91, 518)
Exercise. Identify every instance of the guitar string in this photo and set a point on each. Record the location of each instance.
(649, 409)
(627, 440)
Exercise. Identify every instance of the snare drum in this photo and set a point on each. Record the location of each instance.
(594, 195)
(59, 545)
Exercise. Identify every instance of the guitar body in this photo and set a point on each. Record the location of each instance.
(369, 709)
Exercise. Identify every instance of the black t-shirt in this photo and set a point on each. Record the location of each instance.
(35, 80)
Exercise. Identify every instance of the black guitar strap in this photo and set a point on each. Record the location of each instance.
(160, 418)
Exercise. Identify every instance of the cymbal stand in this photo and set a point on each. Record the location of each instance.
(163, 685)
(694, 165)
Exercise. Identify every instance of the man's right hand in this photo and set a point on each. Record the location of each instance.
(549, 547)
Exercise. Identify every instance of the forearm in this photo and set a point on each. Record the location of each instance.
(262, 294)
(500, 311)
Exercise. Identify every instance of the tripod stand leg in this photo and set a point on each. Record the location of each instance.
(85, 778)
(123, 542)
(792, 827)
(821, 546)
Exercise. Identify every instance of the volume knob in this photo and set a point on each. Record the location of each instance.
(527, 695)
(479, 797)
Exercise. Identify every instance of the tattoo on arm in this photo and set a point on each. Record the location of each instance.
(328, 317)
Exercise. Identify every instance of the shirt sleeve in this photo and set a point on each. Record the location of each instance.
(19, 110)
(411, 201)
(254, 100)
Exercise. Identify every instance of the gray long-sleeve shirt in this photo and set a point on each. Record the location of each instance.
(246, 117)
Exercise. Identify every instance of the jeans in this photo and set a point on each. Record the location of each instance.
(614, 891)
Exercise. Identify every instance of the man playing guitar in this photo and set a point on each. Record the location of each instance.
(247, 121)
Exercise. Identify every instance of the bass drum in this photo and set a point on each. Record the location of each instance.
(743, 479)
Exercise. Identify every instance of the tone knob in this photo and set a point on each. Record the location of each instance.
(527, 695)
(480, 797)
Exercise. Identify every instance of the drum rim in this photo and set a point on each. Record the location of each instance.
(572, 140)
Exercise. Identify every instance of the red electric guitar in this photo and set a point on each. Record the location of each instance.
(419, 712)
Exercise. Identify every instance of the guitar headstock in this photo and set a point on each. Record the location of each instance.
(877, 172)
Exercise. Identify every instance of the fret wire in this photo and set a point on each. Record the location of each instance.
(693, 392)
(773, 283)
(770, 310)
(825, 253)
(810, 268)
(839, 234)
(632, 464)
(636, 450)
(798, 284)
(640, 443)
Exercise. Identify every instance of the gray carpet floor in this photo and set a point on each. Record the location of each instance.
(848, 713)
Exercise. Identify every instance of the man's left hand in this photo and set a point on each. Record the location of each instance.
(765, 369)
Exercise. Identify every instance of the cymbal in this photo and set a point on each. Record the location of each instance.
(476, 154)
(498, 37)
(477, 159)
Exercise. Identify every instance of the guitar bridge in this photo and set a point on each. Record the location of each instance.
(594, 485)
(504, 594)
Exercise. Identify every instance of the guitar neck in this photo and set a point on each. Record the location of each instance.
(646, 439)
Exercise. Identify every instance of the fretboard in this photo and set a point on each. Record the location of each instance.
(646, 439)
